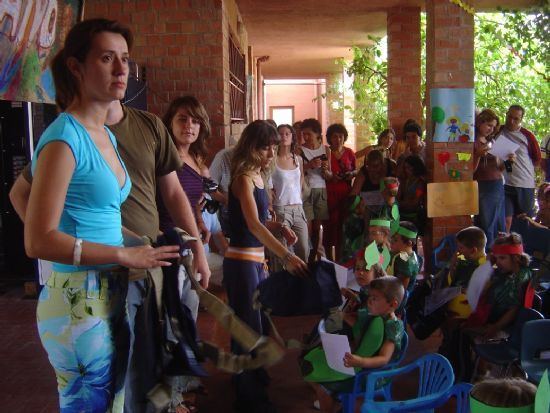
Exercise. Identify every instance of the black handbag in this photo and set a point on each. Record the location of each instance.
(284, 294)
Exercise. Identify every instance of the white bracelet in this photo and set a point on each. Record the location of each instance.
(77, 251)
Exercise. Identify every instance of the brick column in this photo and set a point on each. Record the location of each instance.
(184, 48)
(403, 66)
(449, 64)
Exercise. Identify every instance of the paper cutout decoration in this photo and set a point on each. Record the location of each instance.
(463, 156)
(395, 218)
(372, 256)
(453, 173)
(452, 198)
(443, 157)
(386, 258)
(542, 399)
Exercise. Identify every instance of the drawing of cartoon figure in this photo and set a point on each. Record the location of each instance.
(453, 128)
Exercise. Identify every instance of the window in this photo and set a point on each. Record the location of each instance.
(282, 114)
(237, 83)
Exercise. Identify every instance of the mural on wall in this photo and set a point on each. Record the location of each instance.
(452, 115)
(31, 33)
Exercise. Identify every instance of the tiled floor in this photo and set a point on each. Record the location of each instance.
(27, 383)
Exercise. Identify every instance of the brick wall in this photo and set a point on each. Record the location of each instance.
(183, 45)
(449, 64)
(403, 25)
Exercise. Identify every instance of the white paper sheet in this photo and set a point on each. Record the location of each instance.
(478, 280)
(372, 198)
(341, 273)
(352, 281)
(335, 346)
(502, 147)
(439, 298)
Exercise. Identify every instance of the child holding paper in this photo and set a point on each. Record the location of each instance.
(379, 344)
(366, 269)
(501, 299)
(404, 264)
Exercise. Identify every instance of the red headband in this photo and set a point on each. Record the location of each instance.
(507, 249)
(393, 185)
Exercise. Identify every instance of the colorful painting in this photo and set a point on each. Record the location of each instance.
(31, 33)
(452, 115)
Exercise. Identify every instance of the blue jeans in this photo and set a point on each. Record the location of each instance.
(491, 209)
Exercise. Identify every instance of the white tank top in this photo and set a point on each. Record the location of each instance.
(314, 177)
(286, 185)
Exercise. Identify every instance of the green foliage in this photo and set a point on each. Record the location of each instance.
(511, 59)
(508, 70)
(368, 71)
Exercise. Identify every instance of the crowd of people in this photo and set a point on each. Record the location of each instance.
(106, 180)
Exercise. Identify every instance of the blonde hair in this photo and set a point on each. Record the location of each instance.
(245, 156)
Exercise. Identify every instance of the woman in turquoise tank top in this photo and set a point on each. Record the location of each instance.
(73, 219)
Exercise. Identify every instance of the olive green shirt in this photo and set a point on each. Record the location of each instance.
(148, 152)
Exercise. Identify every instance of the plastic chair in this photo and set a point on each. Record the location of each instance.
(435, 376)
(505, 352)
(449, 242)
(535, 338)
(348, 399)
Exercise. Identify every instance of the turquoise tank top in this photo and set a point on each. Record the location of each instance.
(92, 205)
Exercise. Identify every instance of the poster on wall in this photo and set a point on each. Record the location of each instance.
(452, 112)
(31, 33)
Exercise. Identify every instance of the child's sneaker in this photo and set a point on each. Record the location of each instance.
(316, 405)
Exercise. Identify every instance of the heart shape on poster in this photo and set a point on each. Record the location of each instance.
(443, 157)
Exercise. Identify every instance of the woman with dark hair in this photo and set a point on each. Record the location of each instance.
(73, 219)
(342, 165)
(488, 174)
(288, 179)
(411, 196)
(243, 265)
(317, 169)
(189, 125)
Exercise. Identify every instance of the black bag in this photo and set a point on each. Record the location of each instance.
(423, 325)
(284, 294)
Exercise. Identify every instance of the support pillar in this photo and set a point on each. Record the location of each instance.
(449, 64)
(403, 25)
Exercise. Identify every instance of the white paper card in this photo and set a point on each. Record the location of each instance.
(502, 147)
(373, 198)
(478, 280)
(335, 347)
(341, 273)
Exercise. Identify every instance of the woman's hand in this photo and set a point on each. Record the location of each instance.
(203, 231)
(296, 266)
(146, 256)
(290, 236)
(314, 163)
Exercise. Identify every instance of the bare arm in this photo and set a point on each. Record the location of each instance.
(19, 196)
(53, 174)
(358, 183)
(181, 213)
(381, 359)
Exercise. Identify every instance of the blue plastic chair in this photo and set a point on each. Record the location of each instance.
(449, 242)
(435, 376)
(535, 338)
(504, 353)
(348, 399)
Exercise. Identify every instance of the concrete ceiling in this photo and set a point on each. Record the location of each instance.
(303, 38)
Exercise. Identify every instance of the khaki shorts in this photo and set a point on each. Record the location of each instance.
(315, 206)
